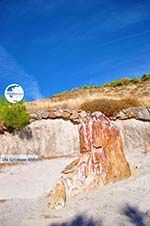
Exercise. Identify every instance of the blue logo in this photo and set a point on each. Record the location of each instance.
(14, 93)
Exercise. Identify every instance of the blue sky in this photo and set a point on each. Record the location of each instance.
(49, 46)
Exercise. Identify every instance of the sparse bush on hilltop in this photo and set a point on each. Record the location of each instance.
(92, 87)
(124, 82)
(13, 115)
(134, 80)
(120, 82)
(85, 87)
(95, 87)
(125, 87)
(117, 83)
(109, 107)
(145, 77)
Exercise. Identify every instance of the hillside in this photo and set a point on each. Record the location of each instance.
(137, 89)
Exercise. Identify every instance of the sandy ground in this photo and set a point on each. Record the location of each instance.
(24, 190)
(30, 180)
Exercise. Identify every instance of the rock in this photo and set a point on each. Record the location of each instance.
(132, 114)
(67, 110)
(51, 115)
(75, 121)
(33, 116)
(66, 115)
(39, 115)
(144, 114)
(74, 115)
(101, 149)
(58, 113)
(58, 196)
(32, 120)
(83, 114)
(101, 159)
(127, 113)
(140, 113)
(45, 115)
(70, 168)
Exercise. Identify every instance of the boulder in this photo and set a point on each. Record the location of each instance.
(144, 114)
(101, 159)
(66, 115)
(82, 114)
(140, 113)
(74, 115)
(33, 116)
(52, 115)
(58, 113)
(45, 115)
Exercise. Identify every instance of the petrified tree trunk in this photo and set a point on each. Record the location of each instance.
(101, 158)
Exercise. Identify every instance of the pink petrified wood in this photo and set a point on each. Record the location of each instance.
(101, 159)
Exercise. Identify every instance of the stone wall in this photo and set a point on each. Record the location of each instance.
(76, 116)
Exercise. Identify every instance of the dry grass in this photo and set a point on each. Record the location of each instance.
(109, 107)
(75, 98)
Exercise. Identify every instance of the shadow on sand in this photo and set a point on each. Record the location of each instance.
(80, 220)
(133, 215)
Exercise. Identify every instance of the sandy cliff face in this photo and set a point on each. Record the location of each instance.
(57, 137)
(48, 138)
(135, 134)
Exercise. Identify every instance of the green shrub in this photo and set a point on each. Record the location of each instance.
(145, 77)
(85, 87)
(117, 83)
(13, 115)
(134, 80)
(109, 107)
(125, 82)
(95, 87)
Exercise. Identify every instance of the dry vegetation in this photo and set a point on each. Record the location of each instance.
(127, 92)
(109, 107)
